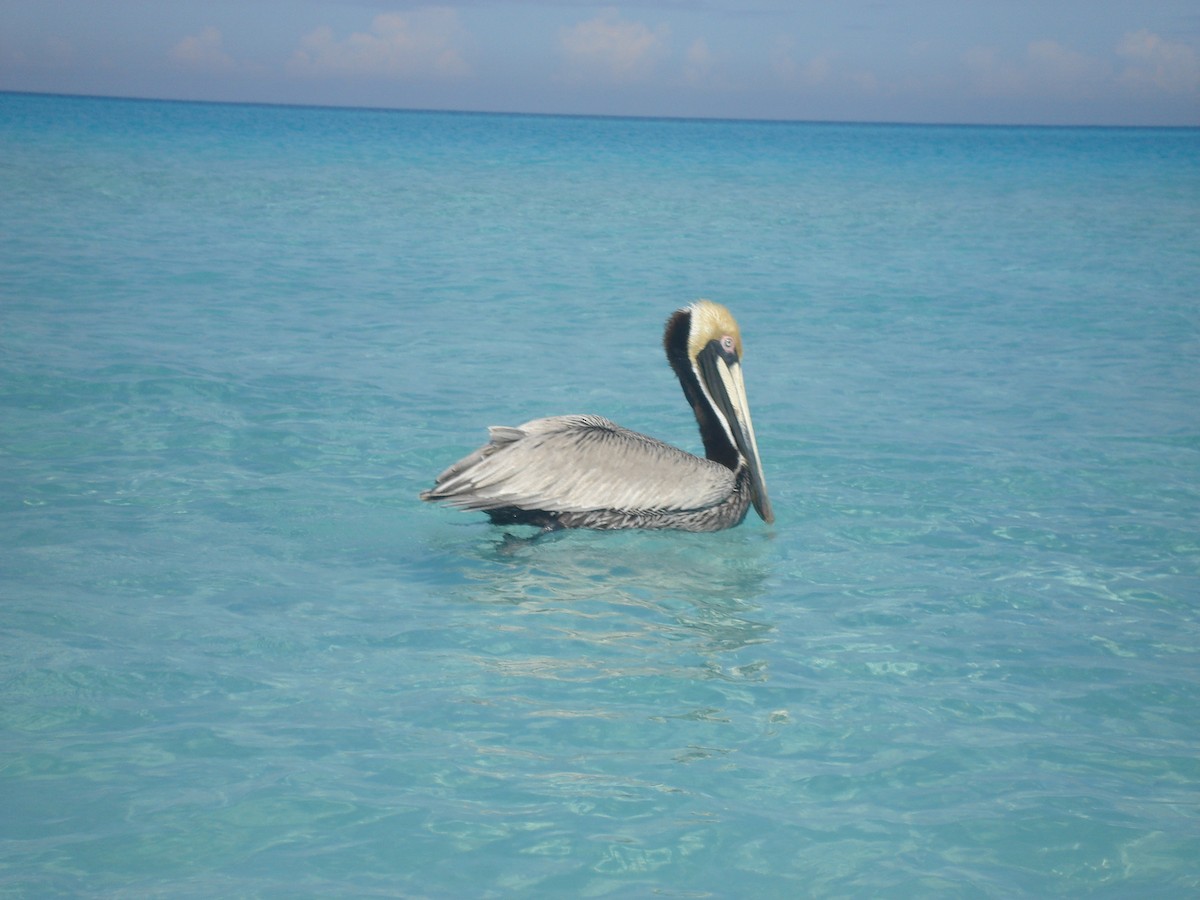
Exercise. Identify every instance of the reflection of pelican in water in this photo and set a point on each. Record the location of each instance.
(587, 472)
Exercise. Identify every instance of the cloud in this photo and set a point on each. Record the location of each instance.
(609, 48)
(705, 70)
(424, 42)
(204, 51)
(822, 70)
(1144, 62)
(1047, 69)
(1154, 63)
(699, 62)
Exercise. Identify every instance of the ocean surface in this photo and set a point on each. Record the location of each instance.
(238, 657)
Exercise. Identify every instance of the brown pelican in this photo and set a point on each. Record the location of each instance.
(587, 472)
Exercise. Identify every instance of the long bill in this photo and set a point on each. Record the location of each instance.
(722, 380)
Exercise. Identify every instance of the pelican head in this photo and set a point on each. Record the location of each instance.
(704, 347)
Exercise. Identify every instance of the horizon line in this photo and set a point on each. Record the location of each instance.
(133, 98)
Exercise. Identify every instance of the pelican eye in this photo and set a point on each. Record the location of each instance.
(728, 348)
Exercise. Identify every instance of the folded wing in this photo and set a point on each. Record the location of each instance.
(580, 463)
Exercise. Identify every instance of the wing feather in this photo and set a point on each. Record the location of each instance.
(577, 464)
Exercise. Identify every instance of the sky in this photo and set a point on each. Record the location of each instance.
(1069, 62)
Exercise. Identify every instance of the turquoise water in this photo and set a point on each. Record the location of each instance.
(239, 658)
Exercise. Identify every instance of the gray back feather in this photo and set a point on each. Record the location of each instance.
(580, 463)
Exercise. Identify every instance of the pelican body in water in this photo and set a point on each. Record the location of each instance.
(584, 471)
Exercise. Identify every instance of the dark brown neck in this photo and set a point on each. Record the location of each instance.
(717, 445)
